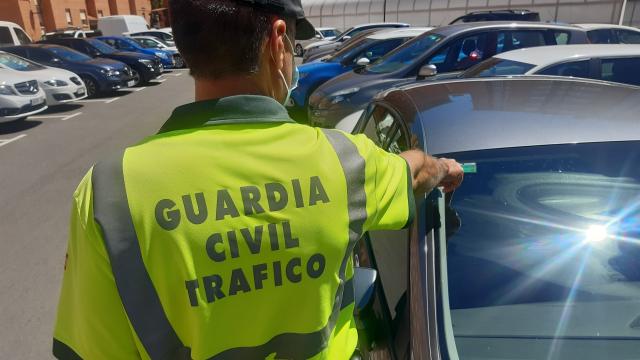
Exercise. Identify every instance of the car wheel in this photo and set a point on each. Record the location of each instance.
(91, 85)
(136, 77)
(299, 50)
(179, 62)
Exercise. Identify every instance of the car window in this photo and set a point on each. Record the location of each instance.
(628, 36)
(561, 37)
(512, 40)
(41, 56)
(22, 37)
(405, 55)
(378, 50)
(497, 67)
(461, 54)
(601, 36)
(622, 70)
(5, 36)
(69, 54)
(17, 63)
(146, 43)
(101, 46)
(547, 253)
(573, 68)
(386, 131)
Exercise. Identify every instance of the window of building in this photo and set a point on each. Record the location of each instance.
(67, 13)
(83, 17)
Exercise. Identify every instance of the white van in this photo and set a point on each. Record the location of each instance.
(120, 24)
(12, 34)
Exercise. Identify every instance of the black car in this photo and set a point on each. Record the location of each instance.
(145, 67)
(498, 15)
(99, 75)
(537, 254)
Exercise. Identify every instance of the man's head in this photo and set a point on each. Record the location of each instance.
(234, 39)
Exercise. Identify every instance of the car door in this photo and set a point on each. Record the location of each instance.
(620, 69)
(385, 330)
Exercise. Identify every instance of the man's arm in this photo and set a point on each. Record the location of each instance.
(428, 172)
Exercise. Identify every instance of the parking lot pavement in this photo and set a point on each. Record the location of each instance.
(42, 159)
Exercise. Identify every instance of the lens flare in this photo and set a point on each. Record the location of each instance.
(596, 234)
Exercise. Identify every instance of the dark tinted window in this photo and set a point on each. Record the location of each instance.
(546, 263)
(512, 40)
(575, 69)
(601, 36)
(22, 37)
(628, 36)
(561, 37)
(497, 67)
(5, 36)
(386, 131)
(461, 54)
(622, 70)
(405, 55)
(378, 50)
(41, 56)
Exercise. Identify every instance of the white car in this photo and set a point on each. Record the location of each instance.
(151, 42)
(611, 34)
(59, 85)
(20, 96)
(322, 33)
(12, 34)
(616, 63)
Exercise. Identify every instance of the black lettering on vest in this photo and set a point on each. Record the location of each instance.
(259, 275)
(225, 205)
(211, 248)
(315, 266)
(233, 244)
(291, 275)
(273, 237)
(191, 286)
(212, 287)
(238, 282)
(316, 191)
(289, 241)
(254, 243)
(202, 214)
(273, 189)
(250, 198)
(297, 192)
(167, 216)
(277, 273)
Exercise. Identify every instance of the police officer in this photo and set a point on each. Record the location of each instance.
(228, 234)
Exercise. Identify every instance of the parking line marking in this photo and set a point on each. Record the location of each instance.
(93, 100)
(178, 74)
(112, 100)
(140, 89)
(161, 80)
(61, 117)
(7, 141)
(71, 116)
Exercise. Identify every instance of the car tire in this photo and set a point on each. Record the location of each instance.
(299, 50)
(136, 77)
(179, 62)
(91, 85)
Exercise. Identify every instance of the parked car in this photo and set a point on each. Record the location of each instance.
(164, 35)
(360, 53)
(348, 34)
(99, 75)
(60, 86)
(20, 96)
(322, 51)
(615, 63)
(117, 25)
(150, 42)
(72, 33)
(611, 34)
(536, 255)
(12, 34)
(143, 67)
(446, 49)
(322, 33)
(125, 43)
(498, 15)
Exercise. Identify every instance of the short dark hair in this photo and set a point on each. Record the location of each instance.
(221, 37)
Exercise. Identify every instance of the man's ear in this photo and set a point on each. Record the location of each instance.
(275, 44)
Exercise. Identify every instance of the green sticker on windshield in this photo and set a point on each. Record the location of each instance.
(469, 168)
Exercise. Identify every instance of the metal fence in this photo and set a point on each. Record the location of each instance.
(345, 13)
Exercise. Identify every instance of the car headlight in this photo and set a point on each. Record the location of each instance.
(6, 90)
(110, 72)
(340, 96)
(146, 62)
(55, 83)
(161, 55)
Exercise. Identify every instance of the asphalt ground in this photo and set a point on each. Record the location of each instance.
(42, 160)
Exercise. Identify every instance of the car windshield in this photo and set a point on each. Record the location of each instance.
(101, 46)
(349, 50)
(404, 55)
(546, 262)
(147, 43)
(68, 54)
(17, 63)
(497, 67)
(330, 33)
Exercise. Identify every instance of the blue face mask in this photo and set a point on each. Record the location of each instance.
(294, 77)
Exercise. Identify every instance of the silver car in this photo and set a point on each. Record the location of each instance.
(322, 33)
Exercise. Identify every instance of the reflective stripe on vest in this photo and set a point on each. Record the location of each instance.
(140, 299)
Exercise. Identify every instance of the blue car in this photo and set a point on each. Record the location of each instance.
(99, 75)
(124, 43)
(362, 52)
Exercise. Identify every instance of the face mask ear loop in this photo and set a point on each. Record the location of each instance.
(281, 76)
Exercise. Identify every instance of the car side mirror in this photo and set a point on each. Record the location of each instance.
(345, 38)
(364, 281)
(318, 36)
(363, 62)
(427, 71)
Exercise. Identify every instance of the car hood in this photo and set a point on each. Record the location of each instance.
(353, 79)
(12, 76)
(105, 63)
(131, 55)
(47, 73)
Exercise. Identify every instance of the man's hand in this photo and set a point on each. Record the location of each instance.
(429, 172)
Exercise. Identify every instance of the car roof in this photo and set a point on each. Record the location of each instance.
(546, 55)
(493, 113)
(326, 28)
(402, 32)
(593, 26)
(388, 24)
(461, 27)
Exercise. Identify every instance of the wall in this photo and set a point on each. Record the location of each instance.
(54, 16)
(95, 6)
(23, 13)
(120, 7)
(141, 8)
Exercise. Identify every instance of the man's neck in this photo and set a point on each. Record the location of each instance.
(208, 89)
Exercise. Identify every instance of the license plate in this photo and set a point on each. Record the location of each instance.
(37, 101)
(131, 83)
